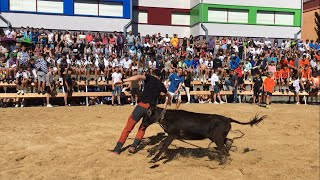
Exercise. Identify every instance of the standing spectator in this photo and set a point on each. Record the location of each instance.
(234, 83)
(176, 81)
(187, 84)
(215, 89)
(89, 37)
(296, 86)
(257, 88)
(19, 83)
(50, 86)
(211, 45)
(130, 40)
(42, 70)
(175, 41)
(120, 44)
(116, 87)
(268, 86)
(135, 89)
(23, 57)
(68, 86)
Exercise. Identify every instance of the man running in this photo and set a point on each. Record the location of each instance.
(152, 89)
(176, 81)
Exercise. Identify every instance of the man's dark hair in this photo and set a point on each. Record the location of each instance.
(156, 72)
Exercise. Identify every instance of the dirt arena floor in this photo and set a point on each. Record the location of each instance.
(73, 143)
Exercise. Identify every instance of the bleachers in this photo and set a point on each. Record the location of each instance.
(104, 94)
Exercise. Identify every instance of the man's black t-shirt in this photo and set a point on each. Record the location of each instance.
(152, 89)
(257, 82)
(217, 63)
(174, 63)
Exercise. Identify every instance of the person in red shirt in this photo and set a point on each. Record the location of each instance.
(305, 77)
(89, 37)
(284, 78)
(268, 86)
(239, 71)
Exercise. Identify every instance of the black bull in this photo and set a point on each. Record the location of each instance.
(194, 126)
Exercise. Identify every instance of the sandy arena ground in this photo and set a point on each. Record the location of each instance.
(73, 143)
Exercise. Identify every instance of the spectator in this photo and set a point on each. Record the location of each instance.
(116, 87)
(268, 86)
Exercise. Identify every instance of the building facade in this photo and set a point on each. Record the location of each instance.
(94, 15)
(249, 18)
(309, 9)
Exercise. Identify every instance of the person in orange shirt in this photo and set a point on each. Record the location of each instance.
(304, 61)
(305, 77)
(175, 41)
(268, 86)
(276, 76)
(283, 61)
(284, 78)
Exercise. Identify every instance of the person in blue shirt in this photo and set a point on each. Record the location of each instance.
(196, 67)
(234, 61)
(188, 62)
(176, 81)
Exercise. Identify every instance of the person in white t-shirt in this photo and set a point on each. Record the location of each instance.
(127, 64)
(101, 64)
(116, 88)
(166, 43)
(296, 85)
(10, 33)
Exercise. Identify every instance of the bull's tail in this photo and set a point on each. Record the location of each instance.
(256, 120)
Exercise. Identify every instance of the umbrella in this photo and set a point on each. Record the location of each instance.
(26, 41)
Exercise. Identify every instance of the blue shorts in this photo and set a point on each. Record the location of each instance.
(116, 91)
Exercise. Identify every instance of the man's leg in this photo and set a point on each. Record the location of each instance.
(136, 115)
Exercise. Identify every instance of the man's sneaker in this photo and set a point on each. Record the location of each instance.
(18, 92)
(17, 105)
(49, 105)
(222, 102)
(189, 102)
(103, 79)
(287, 91)
(99, 79)
(298, 103)
(282, 90)
(210, 102)
(132, 104)
(22, 105)
(215, 102)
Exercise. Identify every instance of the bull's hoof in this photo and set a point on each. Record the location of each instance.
(152, 161)
(222, 161)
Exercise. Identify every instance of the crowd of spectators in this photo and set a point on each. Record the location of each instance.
(53, 59)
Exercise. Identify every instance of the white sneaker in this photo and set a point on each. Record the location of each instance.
(18, 92)
(99, 79)
(298, 103)
(22, 106)
(210, 102)
(49, 105)
(103, 79)
(187, 103)
(17, 105)
(132, 104)
(222, 102)
(215, 102)
(22, 92)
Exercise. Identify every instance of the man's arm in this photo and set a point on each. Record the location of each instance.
(134, 78)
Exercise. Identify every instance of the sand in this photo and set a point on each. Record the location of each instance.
(73, 143)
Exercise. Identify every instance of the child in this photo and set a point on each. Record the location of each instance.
(19, 78)
(247, 69)
(284, 78)
(257, 88)
(296, 86)
(268, 86)
(116, 89)
(68, 86)
(239, 71)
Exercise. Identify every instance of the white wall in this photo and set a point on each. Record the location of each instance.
(246, 30)
(66, 22)
(179, 4)
(193, 3)
(295, 4)
(170, 30)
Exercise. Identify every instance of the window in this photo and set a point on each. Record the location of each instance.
(264, 17)
(283, 18)
(180, 19)
(228, 15)
(25, 5)
(279, 18)
(110, 9)
(86, 7)
(238, 16)
(218, 15)
(51, 6)
(142, 17)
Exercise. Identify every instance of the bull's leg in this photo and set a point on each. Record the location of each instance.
(156, 149)
(221, 151)
(165, 146)
(228, 143)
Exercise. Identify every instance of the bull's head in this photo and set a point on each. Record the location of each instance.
(154, 115)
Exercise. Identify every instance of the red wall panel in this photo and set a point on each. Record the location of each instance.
(160, 16)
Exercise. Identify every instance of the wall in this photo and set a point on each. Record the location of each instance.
(294, 4)
(66, 22)
(308, 31)
(170, 30)
(183, 4)
(246, 30)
